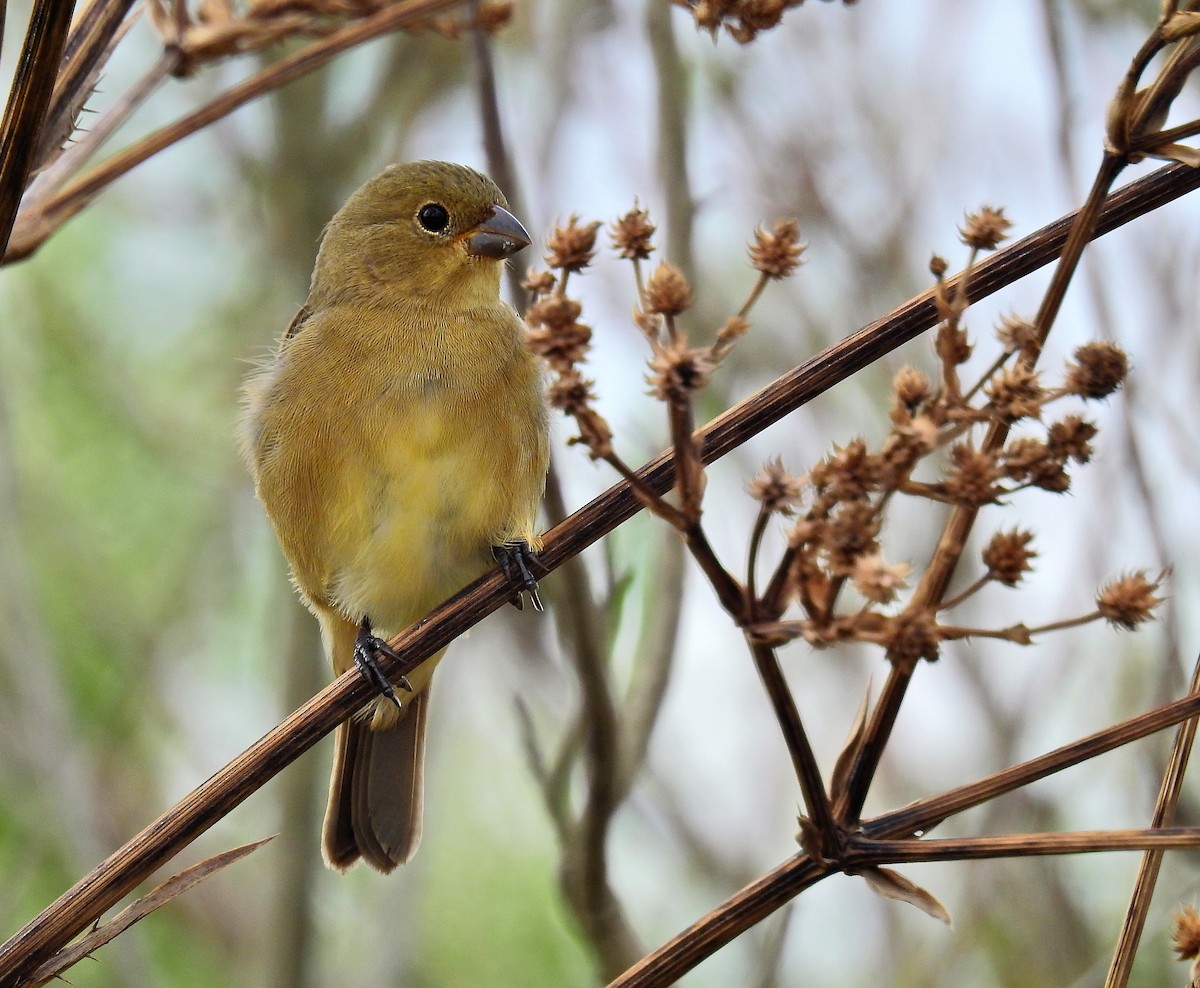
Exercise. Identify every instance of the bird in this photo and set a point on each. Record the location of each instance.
(397, 437)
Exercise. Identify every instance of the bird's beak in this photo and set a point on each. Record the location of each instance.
(499, 236)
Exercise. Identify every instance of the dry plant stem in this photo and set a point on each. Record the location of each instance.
(936, 579)
(1164, 815)
(88, 899)
(40, 219)
(28, 102)
(808, 773)
(755, 902)
(861, 853)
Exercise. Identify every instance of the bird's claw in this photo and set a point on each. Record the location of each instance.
(515, 559)
(366, 647)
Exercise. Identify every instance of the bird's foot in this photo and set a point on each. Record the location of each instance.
(516, 559)
(366, 647)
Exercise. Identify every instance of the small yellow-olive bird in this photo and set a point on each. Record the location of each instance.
(398, 441)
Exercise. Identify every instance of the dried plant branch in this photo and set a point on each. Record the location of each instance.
(1164, 815)
(155, 899)
(86, 901)
(25, 113)
(668, 963)
(40, 218)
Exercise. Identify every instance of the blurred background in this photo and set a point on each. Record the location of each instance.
(148, 632)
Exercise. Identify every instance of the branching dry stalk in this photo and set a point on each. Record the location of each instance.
(85, 902)
(836, 543)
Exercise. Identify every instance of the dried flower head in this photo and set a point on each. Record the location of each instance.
(1129, 600)
(878, 581)
(667, 290)
(911, 387)
(572, 247)
(1071, 439)
(1099, 369)
(678, 370)
(556, 334)
(538, 283)
(985, 229)
(572, 393)
(973, 476)
(631, 234)
(1015, 393)
(777, 253)
(1007, 556)
(1018, 335)
(849, 473)
(1185, 933)
(938, 266)
(912, 637)
(953, 345)
(778, 490)
(852, 532)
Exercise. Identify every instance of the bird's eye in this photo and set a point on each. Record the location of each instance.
(433, 217)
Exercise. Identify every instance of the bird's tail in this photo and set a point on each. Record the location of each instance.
(377, 788)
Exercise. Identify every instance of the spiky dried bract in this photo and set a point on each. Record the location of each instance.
(742, 19)
(631, 235)
(851, 532)
(667, 290)
(556, 334)
(973, 476)
(572, 393)
(777, 490)
(539, 283)
(912, 637)
(1018, 335)
(911, 387)
(849, 473)
(1099, 369)
(953, 345)
(985, 229)
(678, 370)
(1072, 438)
(1031, 461)
(1015, 393)
(572, 247)
(1129, 600)
(777, 253)
(1008, 556)
(1185, 933)
(878, 581)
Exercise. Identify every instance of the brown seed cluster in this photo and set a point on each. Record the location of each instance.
(1185, 933)
(1008, 556)
(986, 229)
(677, 371)
(777, 252)
(667, 291)
(1129, 600)
(632, 235)
(572, 247)
(777, 490)
(1098, 370)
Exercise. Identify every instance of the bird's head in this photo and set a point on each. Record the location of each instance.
(424, 230)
